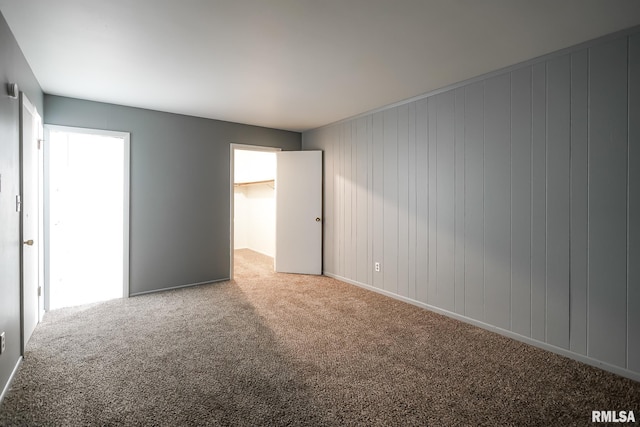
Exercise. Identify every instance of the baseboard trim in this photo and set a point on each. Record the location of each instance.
(189, 285)
(8, 384)
(509, 334)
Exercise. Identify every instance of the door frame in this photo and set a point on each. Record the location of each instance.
(232, 147)
(26, 103)
(126, 136)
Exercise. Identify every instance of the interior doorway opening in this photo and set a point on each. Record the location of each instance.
(253, 216)
(87, 216)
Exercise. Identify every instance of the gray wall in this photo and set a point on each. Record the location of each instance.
(13, 69)
(511, 200)
(179, 186)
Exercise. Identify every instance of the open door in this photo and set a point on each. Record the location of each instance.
(299, 212)
(32, 262)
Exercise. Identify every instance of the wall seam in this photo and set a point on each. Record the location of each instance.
(384, 243)
(435, 209)
(546, 194)
(588, 188)
(397, 208)
(455, 199)
(484, 220)
(415, 177)
(626, 353)
(511, 201)
(570, 191)
(427, 199)
(464, 205)
(531, 186)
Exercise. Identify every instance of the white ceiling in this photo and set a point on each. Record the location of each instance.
(289, 64)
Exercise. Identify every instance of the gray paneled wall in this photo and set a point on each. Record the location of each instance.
(512, 200)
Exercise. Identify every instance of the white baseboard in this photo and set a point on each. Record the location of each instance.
(8, 384)
(180, 287)
(509, 334)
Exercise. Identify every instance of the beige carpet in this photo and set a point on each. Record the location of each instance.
(277, 349)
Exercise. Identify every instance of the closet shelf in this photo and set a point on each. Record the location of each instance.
(242, 184)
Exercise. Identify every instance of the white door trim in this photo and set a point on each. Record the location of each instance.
(26, 104)
(232, 147)
(126, 192)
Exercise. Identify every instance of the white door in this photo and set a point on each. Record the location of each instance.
(31, 218)
(299, 212)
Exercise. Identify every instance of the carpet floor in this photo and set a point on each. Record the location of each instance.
(291, 350)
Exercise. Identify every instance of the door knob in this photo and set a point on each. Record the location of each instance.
(317, 219)
(28, 242)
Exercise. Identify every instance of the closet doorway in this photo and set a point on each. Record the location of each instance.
(253, 203)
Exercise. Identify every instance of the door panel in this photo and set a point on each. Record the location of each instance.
(31, 133)
(299, 212)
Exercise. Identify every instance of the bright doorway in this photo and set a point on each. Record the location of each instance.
(253, 209)
(87, 216)
(276, 206)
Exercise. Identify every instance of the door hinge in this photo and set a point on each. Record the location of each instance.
(39, 291)
(18, 203)
(40, 141)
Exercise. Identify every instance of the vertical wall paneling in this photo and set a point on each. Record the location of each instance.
(538, 201)
(608, 202)
(511, 200)
(330, 198)
(329, 217)
(579, 137)
(347, 147)
(497, 205)
(370, 198)
(361, 200)
(354, 200)
(633, 264)
(633, 213)
(413, 199)
(459, 200)
(558, 199)
(521, 201)
(474, 200)
(335, 134)
(378, 197)
(445, 198)
(390, 214)
(337, 147)
(432, 198)
(339, 200)
(403, 200)
(422, 204)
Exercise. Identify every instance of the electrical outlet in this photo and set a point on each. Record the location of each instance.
(377, 266)
(2, 345)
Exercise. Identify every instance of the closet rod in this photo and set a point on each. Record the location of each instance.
(240, 184)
